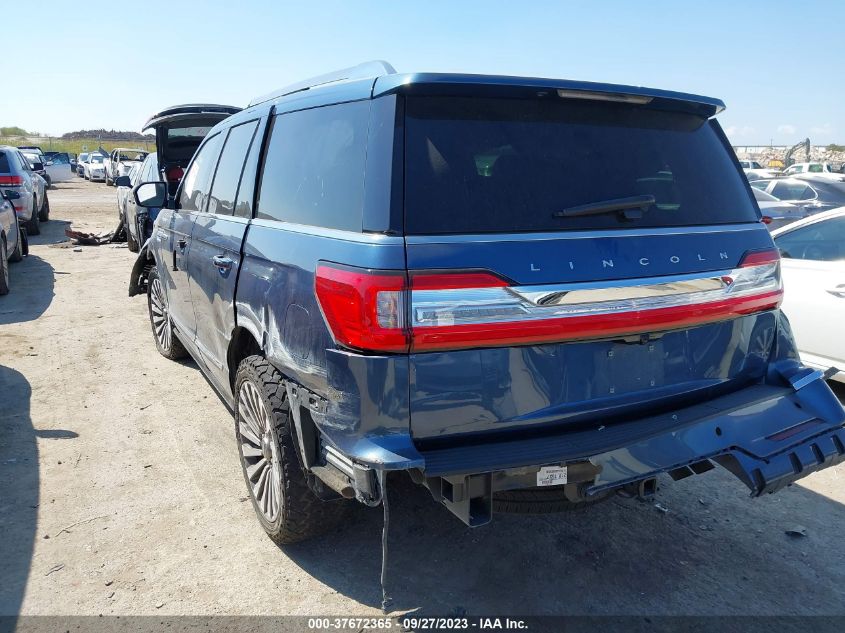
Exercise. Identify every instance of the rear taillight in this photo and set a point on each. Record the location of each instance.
(389, 312)
(11, 181)
(364, 309)
(766, 219)
(174, 173)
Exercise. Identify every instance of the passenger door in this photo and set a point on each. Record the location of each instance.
(814, 289)
(174, 235)
(216, 242)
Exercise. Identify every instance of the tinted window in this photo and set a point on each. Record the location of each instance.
(814, 169)
(246, 190)
(4, 163)
(793, 191)
(314, 170)
(499, 165)
(194, 192)
(229, 169)
(820, 241)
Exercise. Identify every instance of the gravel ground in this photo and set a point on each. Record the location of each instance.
(121, 493)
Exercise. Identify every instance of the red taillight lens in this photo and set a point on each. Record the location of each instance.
(11, 181)
(424, 311)
(766, 219)
(174, 173)
(364, 309)
(759, 258)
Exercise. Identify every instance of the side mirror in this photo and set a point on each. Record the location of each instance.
(151, 194)
(37, 166)
(122, 181)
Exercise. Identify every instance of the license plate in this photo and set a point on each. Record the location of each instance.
(551, 476)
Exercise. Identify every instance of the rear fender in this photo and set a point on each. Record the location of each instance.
(140, 271)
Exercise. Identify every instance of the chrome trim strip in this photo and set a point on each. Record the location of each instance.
(595, 234)
(620, 290)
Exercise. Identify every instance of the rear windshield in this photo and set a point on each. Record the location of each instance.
(4, 163)
(505, 165)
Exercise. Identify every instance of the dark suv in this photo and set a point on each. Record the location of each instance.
(527, 293)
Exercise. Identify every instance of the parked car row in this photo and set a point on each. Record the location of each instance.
(19, 175)
(424, 273)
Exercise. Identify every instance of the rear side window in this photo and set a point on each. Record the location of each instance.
(229, 169)
(314, 170)
(4, 163)
(506, 165)
(793, 191)
(820, 241)
(197, 180)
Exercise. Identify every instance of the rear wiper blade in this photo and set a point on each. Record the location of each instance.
(632, 207)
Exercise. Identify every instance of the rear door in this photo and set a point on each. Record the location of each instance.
(175, 228)
(814, 289)
(218, 233)
(537, 301)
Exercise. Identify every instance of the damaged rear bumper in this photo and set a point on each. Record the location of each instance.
(768, 436)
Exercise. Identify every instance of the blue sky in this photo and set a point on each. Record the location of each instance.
(777, 65)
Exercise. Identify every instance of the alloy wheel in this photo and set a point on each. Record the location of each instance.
(260, 451)
(160, 315)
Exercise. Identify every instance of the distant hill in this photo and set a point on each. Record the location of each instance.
(107, 135)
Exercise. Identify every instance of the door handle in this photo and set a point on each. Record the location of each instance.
(837, 291)
(182, 244)
(222, 262)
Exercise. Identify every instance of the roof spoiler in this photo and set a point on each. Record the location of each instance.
(367, 70)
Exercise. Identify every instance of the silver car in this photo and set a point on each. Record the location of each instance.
(13, 244)
(16, 174)
(95, 168)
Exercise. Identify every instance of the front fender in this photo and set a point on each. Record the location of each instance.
(140, 270)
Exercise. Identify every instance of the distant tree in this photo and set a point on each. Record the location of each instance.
(108, 135)
(12, 131)
(833, 147)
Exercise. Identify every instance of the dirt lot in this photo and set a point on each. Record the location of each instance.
(121, 493)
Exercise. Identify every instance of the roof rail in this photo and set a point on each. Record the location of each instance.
(366, 70)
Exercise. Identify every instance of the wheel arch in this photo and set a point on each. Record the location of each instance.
(140, 270)
(242, 344)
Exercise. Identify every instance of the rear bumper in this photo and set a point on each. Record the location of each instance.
(766, 435)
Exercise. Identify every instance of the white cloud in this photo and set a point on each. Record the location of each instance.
(786, 129)
(826, 129)
(739, 131)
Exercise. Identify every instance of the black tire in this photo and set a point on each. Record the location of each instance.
(18, 253)
(540, 501)
(167, 343)
(131, 242)
(4, 268)
(44, 214)
(299, 513)
(33, 227)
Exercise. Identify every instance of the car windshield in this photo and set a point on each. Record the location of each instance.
(97, 158)
(504, 165)
(83, 158)
(33, 158)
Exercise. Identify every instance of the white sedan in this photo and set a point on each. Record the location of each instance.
(95, 169)
(813, 252)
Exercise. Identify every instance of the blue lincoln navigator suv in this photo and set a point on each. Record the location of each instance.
(526, 293)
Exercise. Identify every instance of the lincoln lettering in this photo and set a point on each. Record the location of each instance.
(643, 261)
